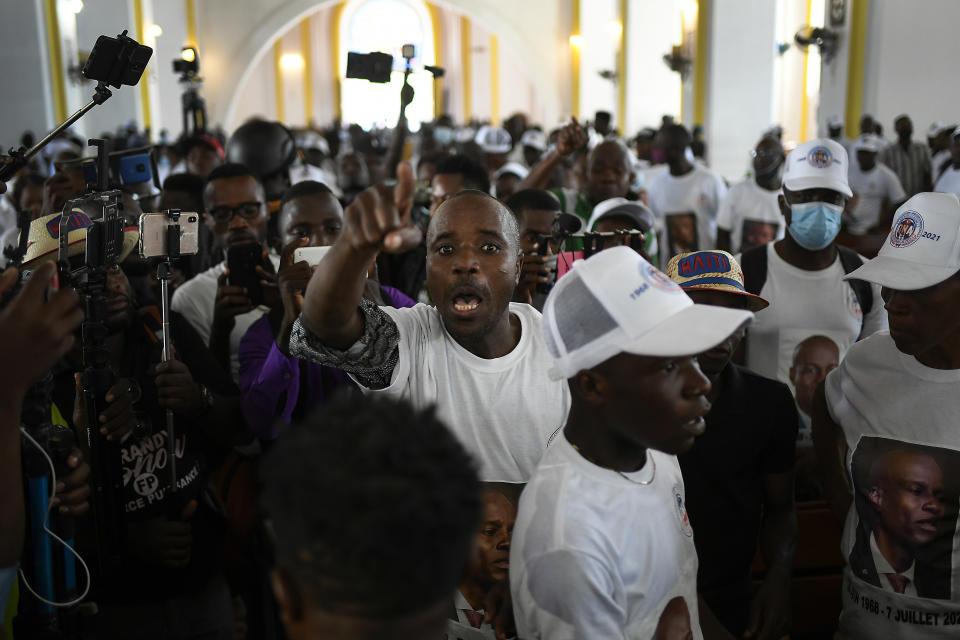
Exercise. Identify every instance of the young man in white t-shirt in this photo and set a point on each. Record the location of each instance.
(749, 215)
(886, 419)
(685, 199)
(801, 275)
(875, 187)
(603, 546)
(475, 355)
(221, 313)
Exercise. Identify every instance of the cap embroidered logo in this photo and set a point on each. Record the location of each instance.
(906, 230)
(658, 279)
(820, 157)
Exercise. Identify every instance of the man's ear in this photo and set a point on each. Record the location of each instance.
(519, 270)
(784, 209)
(590, 386)
(876, 496)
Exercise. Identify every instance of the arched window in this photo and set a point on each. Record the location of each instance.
(387, 25)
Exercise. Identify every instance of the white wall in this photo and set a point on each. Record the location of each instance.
(740, 96)
(27, 102)
(653, 90)
(598, 53)
(911, 63)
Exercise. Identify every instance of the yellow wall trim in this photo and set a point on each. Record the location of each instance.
(575, 59)
(144, 81)
(804, 99)
(335, 19)
(278, 79)
(622, 70)
(858, 45)
(700, 63)
(437, 58)
(191, 23)
(56, 61)
(307, 52)
(494, 81)
(466, 63)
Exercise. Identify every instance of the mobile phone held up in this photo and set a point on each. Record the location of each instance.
(311, 255)
(242, 262)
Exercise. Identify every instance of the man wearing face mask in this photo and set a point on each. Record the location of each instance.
(802, 274)
(754, 200)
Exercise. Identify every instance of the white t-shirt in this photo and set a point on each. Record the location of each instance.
(595, 555)
(750, 210)
(504, 410)
(803, 304)
(871, 188)
(888, 404)
(949, 182)
(195, 300)
(938, 161)
(686, 209)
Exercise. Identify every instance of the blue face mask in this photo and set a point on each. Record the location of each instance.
(814, 225)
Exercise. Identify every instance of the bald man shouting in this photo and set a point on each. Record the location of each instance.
(477, 356)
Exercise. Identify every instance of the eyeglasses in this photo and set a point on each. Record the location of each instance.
(246, 210)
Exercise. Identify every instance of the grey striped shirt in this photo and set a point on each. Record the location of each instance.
(912, 166)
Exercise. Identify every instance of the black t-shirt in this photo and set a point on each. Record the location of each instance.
(146, 475)
(751, 432)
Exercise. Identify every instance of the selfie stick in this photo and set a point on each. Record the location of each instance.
(164, 274)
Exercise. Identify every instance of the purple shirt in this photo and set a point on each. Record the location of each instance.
(266, 374)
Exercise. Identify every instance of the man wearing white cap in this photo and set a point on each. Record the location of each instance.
(909, 160)
(835, 133)
(875, 186)
(801, 275)
(938, 139)
(603, 546)
(949, 180)
(750, 216)
(886, 418)
(506, 179)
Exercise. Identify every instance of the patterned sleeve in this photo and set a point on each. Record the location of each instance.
(371, 359)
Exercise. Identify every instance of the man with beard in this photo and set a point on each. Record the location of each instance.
(221, 313)
(741, 469)
(900, 388)
(475, 355)
(753, 200)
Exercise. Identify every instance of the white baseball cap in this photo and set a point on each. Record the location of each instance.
(834, 122)
(513, 168)
(867, 142)
(623, 208)
(616, 302)
(923, 248)
(534, 138)
(935, 128)
(493, 139)
(817, 164)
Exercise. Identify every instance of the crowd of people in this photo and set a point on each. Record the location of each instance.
(538, 383)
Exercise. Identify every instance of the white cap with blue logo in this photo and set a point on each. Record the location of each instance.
(616, 302)
(923, 248)
(817, 164)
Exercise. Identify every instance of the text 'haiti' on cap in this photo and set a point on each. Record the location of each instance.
(817, 164)
(923, 248)
(43, 243)
(712, 271)
(616, 302)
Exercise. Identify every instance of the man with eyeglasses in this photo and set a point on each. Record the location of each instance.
(236, 214)
(751, 208)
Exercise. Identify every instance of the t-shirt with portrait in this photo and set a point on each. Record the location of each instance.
(752, 216)
(900, 538)
(686, 209)
(596, 554)
(871, 189)
(802, 304)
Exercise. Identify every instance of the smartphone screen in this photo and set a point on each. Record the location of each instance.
(242, 261)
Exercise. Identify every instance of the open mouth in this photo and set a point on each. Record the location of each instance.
(466, 303)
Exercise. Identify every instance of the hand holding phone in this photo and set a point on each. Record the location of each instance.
(242, 263)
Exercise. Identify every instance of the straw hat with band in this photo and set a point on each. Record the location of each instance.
(44, 239)
(712, 271)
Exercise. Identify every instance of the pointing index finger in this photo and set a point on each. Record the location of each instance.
(403, 193)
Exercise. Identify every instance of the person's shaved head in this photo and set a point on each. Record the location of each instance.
(609, 171)
(472, 197)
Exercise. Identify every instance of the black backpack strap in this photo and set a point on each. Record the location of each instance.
(754, 265)
(851, 261)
